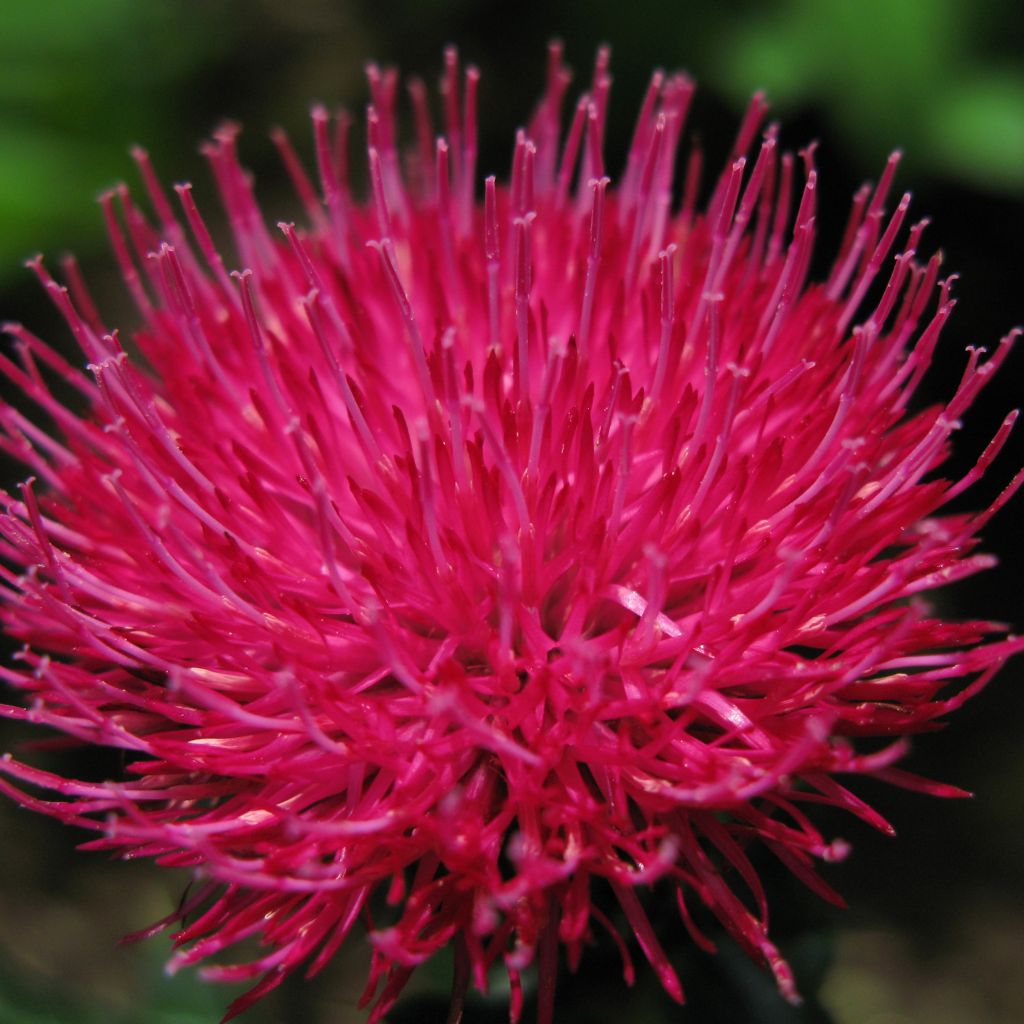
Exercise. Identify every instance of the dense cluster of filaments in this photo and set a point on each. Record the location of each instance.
(476, 554)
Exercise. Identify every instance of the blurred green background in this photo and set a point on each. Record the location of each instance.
(937, 920)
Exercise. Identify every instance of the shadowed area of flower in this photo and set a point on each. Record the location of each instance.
(474, 555)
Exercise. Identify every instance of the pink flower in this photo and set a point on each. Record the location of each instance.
(477, 556)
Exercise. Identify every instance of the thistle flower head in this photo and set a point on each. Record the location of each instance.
(454, 559)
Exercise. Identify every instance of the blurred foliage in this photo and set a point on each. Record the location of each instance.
(942, 78)
(939, 912)
(160, 1001)
(79, 82)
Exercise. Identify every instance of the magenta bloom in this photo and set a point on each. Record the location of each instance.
(453, 560)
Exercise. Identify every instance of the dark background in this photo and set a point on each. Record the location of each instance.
(937, 920)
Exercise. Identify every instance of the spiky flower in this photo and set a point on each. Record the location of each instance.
(479, 555)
